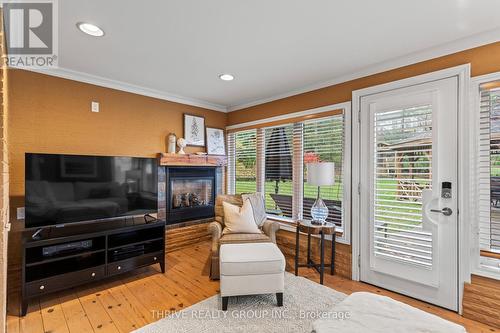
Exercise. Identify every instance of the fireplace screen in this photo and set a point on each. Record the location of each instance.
(191, 193)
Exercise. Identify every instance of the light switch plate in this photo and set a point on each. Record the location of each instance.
(20, 213)
(95, 106)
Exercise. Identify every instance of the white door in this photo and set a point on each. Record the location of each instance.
(408, 202)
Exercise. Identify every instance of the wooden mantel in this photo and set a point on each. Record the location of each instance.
(167, 159)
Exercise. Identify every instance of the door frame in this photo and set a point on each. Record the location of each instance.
(462, 72)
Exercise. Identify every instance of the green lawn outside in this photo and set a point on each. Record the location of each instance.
(331, 192)
(401, 208)
(387, 187)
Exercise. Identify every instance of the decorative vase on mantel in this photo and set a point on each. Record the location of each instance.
(172, 139)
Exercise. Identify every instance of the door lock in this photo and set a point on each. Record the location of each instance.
(446, 190)
(446, 211)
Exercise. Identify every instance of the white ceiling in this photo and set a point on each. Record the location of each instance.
(176, 49)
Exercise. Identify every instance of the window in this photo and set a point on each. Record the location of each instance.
(278, 155)
(488, 178)
(324, 142)
(273, 160)
(242, 166)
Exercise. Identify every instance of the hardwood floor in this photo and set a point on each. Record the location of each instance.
(133, 300)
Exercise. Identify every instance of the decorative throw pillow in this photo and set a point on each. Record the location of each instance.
(239, 219)
(258, 206)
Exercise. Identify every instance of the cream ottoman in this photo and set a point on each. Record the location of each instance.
(251, 269)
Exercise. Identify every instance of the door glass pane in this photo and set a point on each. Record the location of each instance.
(403, 168)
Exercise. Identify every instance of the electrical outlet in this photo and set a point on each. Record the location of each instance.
(95, 106)
(20, 213)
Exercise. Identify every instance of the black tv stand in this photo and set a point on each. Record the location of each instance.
(111, 248)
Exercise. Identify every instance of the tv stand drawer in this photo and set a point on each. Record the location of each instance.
(63, 281)
(135, 262)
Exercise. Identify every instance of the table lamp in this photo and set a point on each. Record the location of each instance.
(320, 174)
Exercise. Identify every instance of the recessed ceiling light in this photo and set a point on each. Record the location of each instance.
(226, 77)
(90, 29)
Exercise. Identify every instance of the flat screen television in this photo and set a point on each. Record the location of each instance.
(62, 189)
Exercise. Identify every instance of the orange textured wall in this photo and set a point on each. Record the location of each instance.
(484, 59)
(52, 115)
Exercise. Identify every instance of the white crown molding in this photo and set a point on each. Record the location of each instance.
(326, 108)
(458, 45)
(118, 85)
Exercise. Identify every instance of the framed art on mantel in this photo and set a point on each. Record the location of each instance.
(215, 141)
(194, 130)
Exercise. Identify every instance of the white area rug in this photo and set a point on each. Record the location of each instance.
(304, 302)
(381, 314)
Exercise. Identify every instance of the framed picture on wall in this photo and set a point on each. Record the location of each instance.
(215, 141)
(194, 130)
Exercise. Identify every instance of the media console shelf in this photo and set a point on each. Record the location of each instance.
(67, 258)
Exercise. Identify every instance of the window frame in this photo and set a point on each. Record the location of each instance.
(476, 259)
(344, 234)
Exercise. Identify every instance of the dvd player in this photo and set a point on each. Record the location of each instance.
(50, 251)
(128, 252)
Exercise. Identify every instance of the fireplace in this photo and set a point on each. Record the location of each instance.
(190, 193)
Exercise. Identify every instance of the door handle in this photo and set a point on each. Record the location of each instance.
(446, 211)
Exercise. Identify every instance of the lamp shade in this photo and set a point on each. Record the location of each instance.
(321, 173)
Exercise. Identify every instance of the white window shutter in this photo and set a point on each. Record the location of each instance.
(278, 169)
(489, 170)
(255, 163)
(323, 141)
(402, 172)
(231, 163)
(298, 170)
(261, 146)
(245, 165)
(484, 172)
(488, 179)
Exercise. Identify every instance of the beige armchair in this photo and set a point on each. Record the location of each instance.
(269, 229)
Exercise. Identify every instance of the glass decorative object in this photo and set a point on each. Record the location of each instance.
(320, 174)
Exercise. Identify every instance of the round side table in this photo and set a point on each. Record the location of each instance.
(309, 228)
